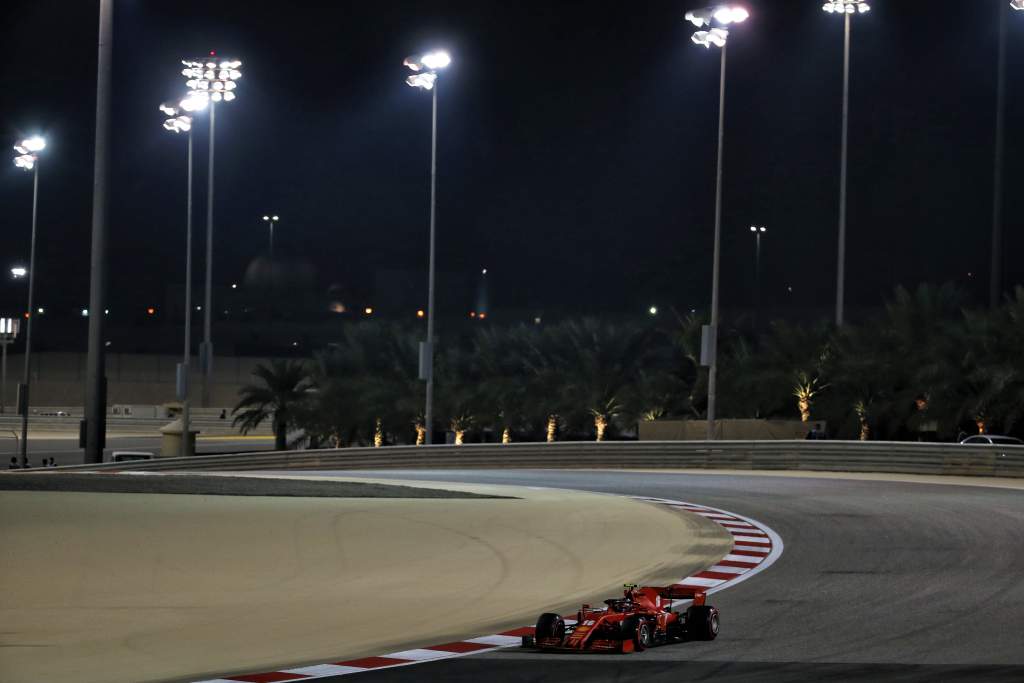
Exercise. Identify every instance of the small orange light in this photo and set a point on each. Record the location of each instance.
(150, 311)
(472, 314)
(483, 315)
(368, 310)
(26, 314)
(420, 313)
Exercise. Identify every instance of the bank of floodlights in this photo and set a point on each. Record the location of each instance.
(176, 121)
(209, 80)
(28, 150)
(851, 7)
(425, 68)
(716, 18)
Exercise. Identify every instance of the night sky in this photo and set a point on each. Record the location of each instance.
(576, 148)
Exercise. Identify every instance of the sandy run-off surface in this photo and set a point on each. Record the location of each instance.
(150, 587)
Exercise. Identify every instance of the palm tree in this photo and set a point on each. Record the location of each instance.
(282, 388)
(805, 390)
(366, 389)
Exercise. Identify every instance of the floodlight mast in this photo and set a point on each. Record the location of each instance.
(996, 267)
(758, 230)
(424, 76)
(718, 36)
(847, 8)
(271, 220)
(209, 81)
(182, 123)
(28, 159)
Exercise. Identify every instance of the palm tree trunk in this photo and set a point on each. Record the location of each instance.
(280, 434)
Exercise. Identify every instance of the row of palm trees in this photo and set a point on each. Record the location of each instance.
(925, 366)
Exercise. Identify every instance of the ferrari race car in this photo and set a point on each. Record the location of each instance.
(641, 618)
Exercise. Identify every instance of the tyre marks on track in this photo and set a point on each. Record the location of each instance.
(755, 548)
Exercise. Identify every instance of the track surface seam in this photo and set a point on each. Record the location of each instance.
(755, 548)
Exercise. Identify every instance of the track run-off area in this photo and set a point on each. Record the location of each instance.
(881, 579)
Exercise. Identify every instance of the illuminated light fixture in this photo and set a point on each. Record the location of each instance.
(150, 311)
(31, 145)
(19, 271)
(848, 7)
(472, 314)
(368, 310)
(424, 81)
(425, 68)
(720, 14)
(731, 15)
(716, 37)
(176, 121)
(754, 228)
(482, 316)
(209, 81)
(9, 327)
(653, 310)
(28, 150)
(85, 312)
(420, 313)
(436, 60)
(39, 310)
(1017, 4)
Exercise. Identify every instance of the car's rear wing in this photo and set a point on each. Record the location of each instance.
(681, 592)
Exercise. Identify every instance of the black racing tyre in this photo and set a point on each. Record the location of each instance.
(549, 626)
(702, 622)
(644, 635)
(639, 631)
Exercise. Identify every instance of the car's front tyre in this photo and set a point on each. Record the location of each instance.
(549, 626)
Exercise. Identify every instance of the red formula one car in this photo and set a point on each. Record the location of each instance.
(641, 618)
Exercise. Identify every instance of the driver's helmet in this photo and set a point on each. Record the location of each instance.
(619, 605)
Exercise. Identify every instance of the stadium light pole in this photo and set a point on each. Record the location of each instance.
(847, 8)
(758, 231)
(177, 122)
(210, 80)
(425, 70)
(271, 220)
(996, 269)
(716, 19)
(28, 159)
(95, 374)
(8, 333)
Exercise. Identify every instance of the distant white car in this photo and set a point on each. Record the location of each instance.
(992, 440)
(127, 456)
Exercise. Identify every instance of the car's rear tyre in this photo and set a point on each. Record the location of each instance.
(702, 623)
(549, 626)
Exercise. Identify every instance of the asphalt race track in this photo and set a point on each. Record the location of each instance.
(878, 581)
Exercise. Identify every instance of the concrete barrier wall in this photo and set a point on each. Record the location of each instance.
(58, 379)
(834, 456)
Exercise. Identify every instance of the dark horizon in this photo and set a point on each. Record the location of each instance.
(576, 150)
